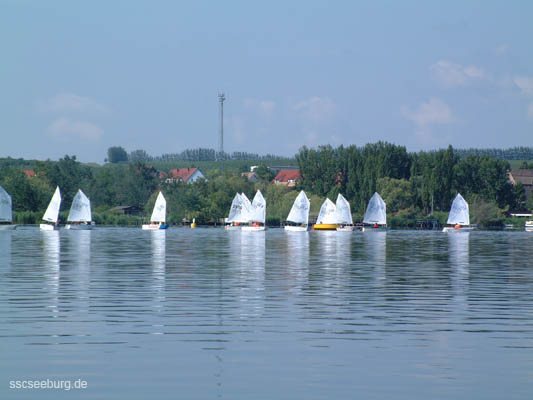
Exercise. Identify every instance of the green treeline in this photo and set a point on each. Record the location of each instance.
(134, 184)
(414, 185)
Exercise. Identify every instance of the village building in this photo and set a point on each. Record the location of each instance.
(525, 177)
(287, 177)
(185, 175)
(30, 173)
(250, 176)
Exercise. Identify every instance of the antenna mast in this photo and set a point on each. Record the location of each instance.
(221, 99)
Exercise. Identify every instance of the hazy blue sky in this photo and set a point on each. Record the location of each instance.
(79, 77)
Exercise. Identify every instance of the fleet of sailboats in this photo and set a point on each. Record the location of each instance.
(159, 214)
(459, 217)
(51, 215)
(6, 210)
(80, 216)
(246, 215)
(298, 217)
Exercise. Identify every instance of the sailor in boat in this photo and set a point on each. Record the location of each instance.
(375, 226)
(458, 226)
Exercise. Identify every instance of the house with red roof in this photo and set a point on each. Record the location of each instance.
(185, 175)
(30, 173)
(287, 177)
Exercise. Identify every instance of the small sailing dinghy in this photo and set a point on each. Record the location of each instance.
(529, 226)
(459, 218)
(376, 213)
(298, 217)
(6, 211)
(256, 214)
(80, 216)
(343, 214)
(326, 220)
(234, 220)
(51, 214)
(159, 214)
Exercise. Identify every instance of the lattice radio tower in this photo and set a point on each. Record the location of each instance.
(221, 99)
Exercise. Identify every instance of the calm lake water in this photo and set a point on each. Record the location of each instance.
(208, 314)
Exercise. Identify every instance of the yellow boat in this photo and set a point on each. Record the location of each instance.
(325, 227)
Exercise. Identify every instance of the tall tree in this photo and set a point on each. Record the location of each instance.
(116, 154)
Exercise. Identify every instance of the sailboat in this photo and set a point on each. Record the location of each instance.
(459, 218)
(529, 226)
(256, 214)
(159, 214)
(343, 214)
(51, 214)
(80, 212)
(235, 219)
(299, 214)
(326, 220)
(376, 212)
(6, 211)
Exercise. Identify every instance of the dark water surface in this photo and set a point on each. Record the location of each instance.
(205, 314)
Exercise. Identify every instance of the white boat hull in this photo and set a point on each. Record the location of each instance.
(253, 228)
(461, 229)
(347, 228)
(80, 227)
(529, 226)
(153, 227)
(48, 227)
(232, 228)
(7, 227)
(372, 229)
(292, 228)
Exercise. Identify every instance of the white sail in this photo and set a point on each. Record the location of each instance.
(343, 214)
(80, 210)
(52, 212)
(236, 209)
(247, 209)
(376, 211)
(300, 210)
(159, 214)
(258, 211)
(327, 213)
(6, 212)
(459, 212)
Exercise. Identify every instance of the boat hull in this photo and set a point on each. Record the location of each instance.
(8, 227)
(347, 228)
(454, 229)
(529, 226)
(152, 227)
(80, 227)
(232, 228)
(291, 228)
(325, 227)
(372, 229)
(253, 228)
(48, 227)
